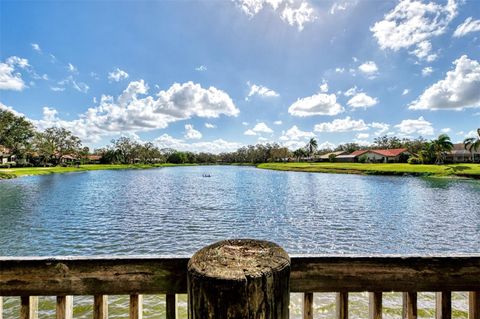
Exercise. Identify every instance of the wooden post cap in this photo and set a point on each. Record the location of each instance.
(241, 278)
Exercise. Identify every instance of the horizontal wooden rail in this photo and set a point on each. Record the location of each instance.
(63, 276)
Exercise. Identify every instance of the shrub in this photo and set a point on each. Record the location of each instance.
(362, 159)
(414, 160)
(332, 157)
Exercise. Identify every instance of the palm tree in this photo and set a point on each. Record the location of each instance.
(311, 146)
(472, 144)
(441, 145)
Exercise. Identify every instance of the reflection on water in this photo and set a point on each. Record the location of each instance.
(177, 211)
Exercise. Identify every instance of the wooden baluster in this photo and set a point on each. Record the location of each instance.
(171, 304)
(100, 307)
(474, 305)
(136, 306)
(28, 307)
(64, 307)
(375, 305)
(308, 305)
(409, 305)
(444, 305)
(1, 307)
(342, 305)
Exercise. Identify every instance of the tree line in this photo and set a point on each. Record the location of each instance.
(55, 144)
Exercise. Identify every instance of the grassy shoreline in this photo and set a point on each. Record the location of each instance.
(8, 173)
(451, 170)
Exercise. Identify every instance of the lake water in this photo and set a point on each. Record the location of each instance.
(177, 211)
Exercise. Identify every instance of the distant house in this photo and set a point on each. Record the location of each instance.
(5, 155)
(326, 157)
(67, 159)
(394, 155)
(353, 157)
(460, 155)
(94, 159)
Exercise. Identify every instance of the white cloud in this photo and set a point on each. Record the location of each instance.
(249, 133)
(362, 100)
(191, 133)
(295, 134)
(426, 71)
(209, 125)
(413, 22)
(446, 130)
(262, 128)
(293, 12)
(382, 128)
(423, 50)
(326, 146)
(201, 68)
(10, 109)
(260, 90)
(324, 86)
(472, 133)
(460, 89)
(317, 104)
(278, 122)
(339, 70)
(362, 136)
(16, 61)
(351, 91)
(469, 25)
(369, 68)
(405, 92)
(36, 47)
(216, 146)
(341, 6)
(419, 126)
(9, 80)
(79, 86)
(132, 113)
(341, 125)
(72, 68)
(117, 75)
(57, 89)
(244, 123)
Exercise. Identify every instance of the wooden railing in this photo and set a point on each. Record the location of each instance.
(102, 276)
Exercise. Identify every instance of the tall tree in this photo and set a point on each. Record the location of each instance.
(16, 133)
(472, 144)
(311, 146)
(56, 142)
(441, 145)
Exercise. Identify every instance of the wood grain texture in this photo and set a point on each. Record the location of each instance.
(136, 307)
(308, 305)
(168, 275)
(342, 305)
(28, 307)
(100, 307)
(64, 307)
(443, 305)
(171, 305)
(409, 305)
(474, 305)
(375, 305)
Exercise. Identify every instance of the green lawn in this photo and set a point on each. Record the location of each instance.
(461, 170)
(16, 172)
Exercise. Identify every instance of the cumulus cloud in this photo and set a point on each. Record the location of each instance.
(191, 133)
(249, 132)
(201, 68)
(369, 68)
(295, 134)
(419, 126)
(262, 128)
(216, 146)
(210, 125)
(469, 25)
(426, 71)
(339, 70)
(341, 125)
(446, 130)
(341, 6)
(405, 92)
(9, 78)
(293, 12)
(72, 68)
(324, 86)
(278, 122)
(381, 128)
(362, 136)
(117, 75)
(260, 90)
(411, 24)
(36, 47)
(132, 111)
(317, 104)
(362, 100)
(460, 89)
(326, 146)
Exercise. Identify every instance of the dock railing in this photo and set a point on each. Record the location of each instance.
(64, 277)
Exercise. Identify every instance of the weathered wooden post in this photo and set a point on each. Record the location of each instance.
(240, 278)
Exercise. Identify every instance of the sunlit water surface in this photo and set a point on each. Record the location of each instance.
(177, 211)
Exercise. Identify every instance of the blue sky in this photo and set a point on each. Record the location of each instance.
(216, 75)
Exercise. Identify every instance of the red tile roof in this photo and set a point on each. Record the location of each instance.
(391, 152)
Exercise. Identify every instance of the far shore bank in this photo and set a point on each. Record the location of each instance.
(464, 170)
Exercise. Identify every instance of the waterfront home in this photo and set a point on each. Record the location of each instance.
(353, 157)
(5, 155)
(326, 157)
(394, 155)
(461, 155)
